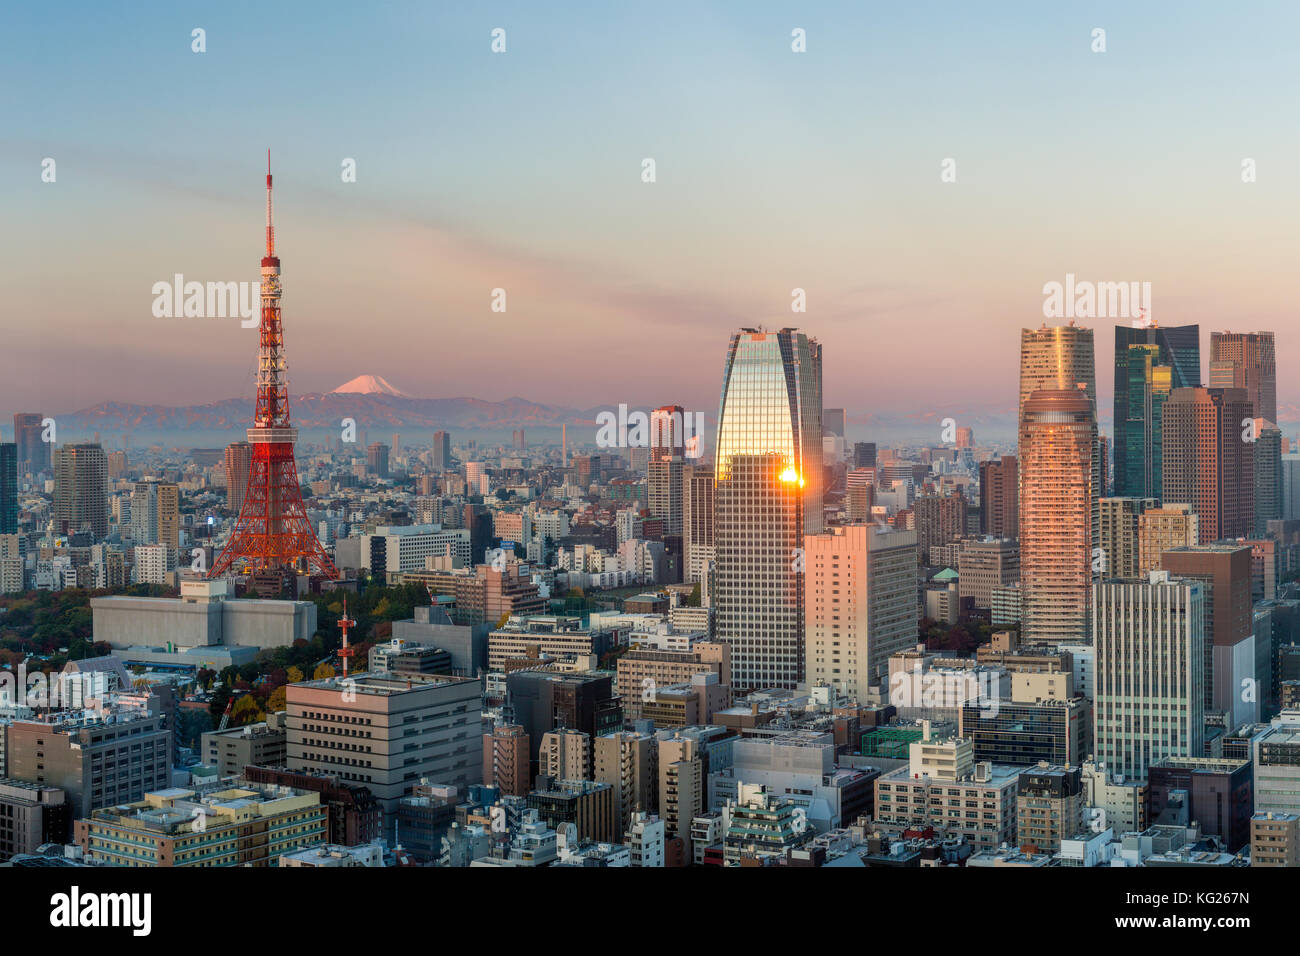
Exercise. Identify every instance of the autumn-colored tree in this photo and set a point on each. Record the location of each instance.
(277, 701)
(246, 711)
(323, 672)
(295, 675)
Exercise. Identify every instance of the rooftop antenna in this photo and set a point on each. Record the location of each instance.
(345, 622)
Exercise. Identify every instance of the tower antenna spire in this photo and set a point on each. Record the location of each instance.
(270, 222)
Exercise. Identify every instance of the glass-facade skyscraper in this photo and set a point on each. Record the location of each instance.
(768, 495)
(1150, 361)
(8, 487)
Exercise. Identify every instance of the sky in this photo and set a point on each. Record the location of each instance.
(522, 171)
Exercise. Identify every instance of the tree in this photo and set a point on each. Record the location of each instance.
(277, 701)
(295, 675)
(323, 672)
(246, 711)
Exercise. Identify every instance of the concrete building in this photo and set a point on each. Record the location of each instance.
(566, 755)
(860, 605)
(1206, 464)
(205, 615)
(387, 733)
(230, 751)
(983, 566)
(505, 760)
(1210, 791)
(1118, 803)
(1058, 521)
(98, 758)
(1274, 839)
(1049, 807)
(30, 815)
(251, 825)
(1119, 537)
(642, 671)
(1225, 572)
(629, 762)
(1164, 529)
(1275, 761)
(1150, 645)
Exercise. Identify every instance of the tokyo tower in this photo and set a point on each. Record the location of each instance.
(272, 533)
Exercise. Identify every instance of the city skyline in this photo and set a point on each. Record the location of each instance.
(470, 217)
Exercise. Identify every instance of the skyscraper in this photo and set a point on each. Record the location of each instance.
(1149, 362)
(1268, 475)
(1146, 387)
(664, 473)
(33, 453)
(8, 487)
(239, 461)
(80, 490)
(768, 496)
(1058, 435)
(1207, 464)
(999, 497)
(1057, 357)
(377, 459)
(1246, 360)
(1149, 640)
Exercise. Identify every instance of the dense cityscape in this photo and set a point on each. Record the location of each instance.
(786, 551)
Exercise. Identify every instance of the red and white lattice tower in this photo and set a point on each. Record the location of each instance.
(346, 651)
(272, 533)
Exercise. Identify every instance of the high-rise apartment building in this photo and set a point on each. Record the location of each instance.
(155, 513)
(1161, 530)
(768, 496)
(239, 461)
(1057, 358)
(441, 459)
(860, 604)
(937, 519)
(377, 459)
(1150, 361)
(629, 763)
(81, 490)
(1246, 360)
(1149, 641)
(1058, 436)
(505, 760)
(1118, 537)
(1207, 464)
(1000, 497)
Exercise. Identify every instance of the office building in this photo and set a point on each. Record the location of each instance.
(1268, 475)
(768, 496)
(33, 449)
(8, 488)
(31, 815)
(860, 603)
(97, 759)
(1150, 361)
(1206, 462)
(231, 750)
(545, 700)
(385, 732)
(1225, 572)
(251, 825)
(1246, 360)
(999, 497)
(1149, 640)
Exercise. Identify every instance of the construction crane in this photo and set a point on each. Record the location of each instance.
(230, 707)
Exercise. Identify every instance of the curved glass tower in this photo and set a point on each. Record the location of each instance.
(768, 495)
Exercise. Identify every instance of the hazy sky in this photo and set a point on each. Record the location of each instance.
(522, 171)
